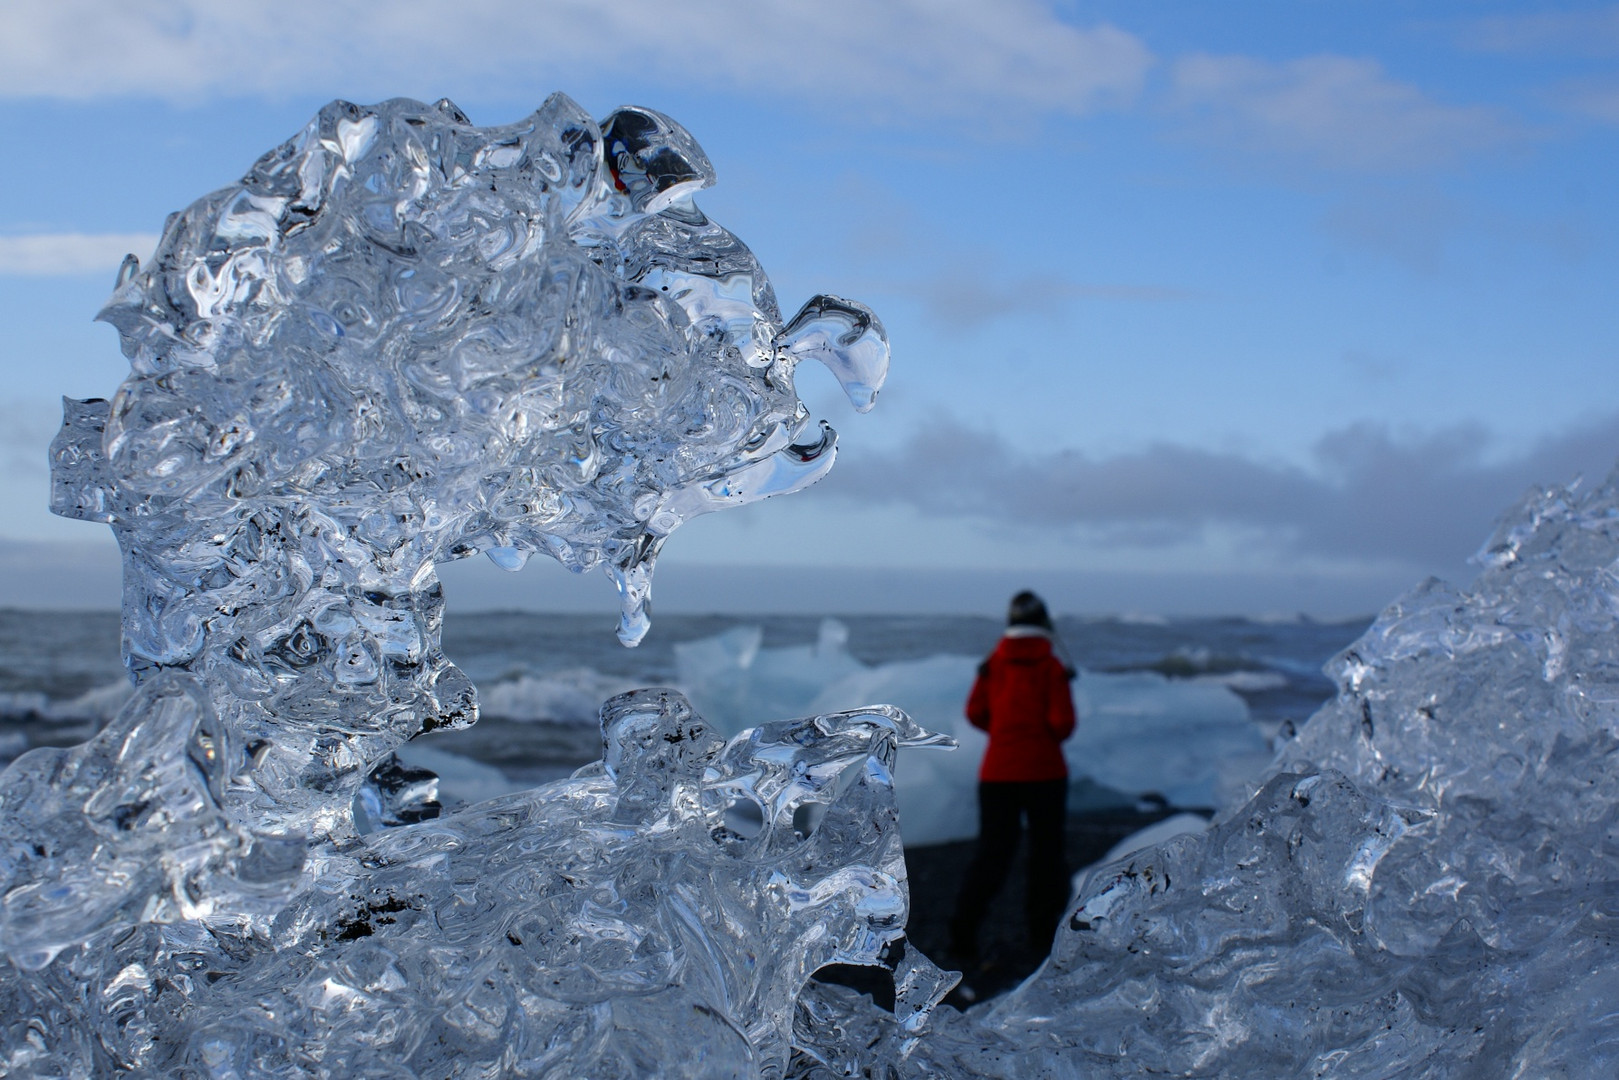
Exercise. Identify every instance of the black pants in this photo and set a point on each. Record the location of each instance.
(1002, 806)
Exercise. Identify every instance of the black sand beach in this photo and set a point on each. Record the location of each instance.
(935, 874)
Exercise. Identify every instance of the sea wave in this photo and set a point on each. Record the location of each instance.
(95, 706)
(1179, 725)
(570, 696)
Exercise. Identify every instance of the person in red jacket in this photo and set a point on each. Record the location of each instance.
(1022, 699)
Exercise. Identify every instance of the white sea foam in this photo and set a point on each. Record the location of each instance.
(95, 706)
(570, 696)
(1247, 682)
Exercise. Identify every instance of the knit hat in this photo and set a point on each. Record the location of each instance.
(1027, 609)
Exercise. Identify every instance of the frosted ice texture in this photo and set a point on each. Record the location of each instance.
(402, 339)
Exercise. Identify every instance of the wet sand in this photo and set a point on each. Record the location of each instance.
(1005, 959)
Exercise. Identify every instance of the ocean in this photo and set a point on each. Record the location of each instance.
(1201, 688)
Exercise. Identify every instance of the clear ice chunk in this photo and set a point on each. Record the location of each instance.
(584, 928)
(402, 339)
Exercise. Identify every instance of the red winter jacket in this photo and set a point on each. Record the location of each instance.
(1021, 698)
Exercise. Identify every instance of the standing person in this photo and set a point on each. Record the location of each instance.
(1022, 699)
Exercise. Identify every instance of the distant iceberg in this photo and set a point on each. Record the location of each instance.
(1189, 740)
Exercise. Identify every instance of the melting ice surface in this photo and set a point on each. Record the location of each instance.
(403, 339)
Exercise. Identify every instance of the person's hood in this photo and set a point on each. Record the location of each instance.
(1036, 641)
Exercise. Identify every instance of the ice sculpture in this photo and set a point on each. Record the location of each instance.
(403, 339)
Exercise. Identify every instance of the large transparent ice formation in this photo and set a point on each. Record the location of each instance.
(402, 339)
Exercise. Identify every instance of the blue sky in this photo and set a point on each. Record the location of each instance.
(1195, 307)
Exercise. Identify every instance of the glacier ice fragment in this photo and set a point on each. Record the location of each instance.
(402, 339)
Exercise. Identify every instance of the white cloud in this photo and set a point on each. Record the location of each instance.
(53, 254)
(1337, 111)
(1371, 497)
(887, 56)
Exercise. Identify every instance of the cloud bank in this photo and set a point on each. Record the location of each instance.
(1004, 68)
(56, 254)
(889, 54)
(1337, 111)
(1424, 502)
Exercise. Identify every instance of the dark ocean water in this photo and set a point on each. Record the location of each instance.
(1286, 656)
(60, 673)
